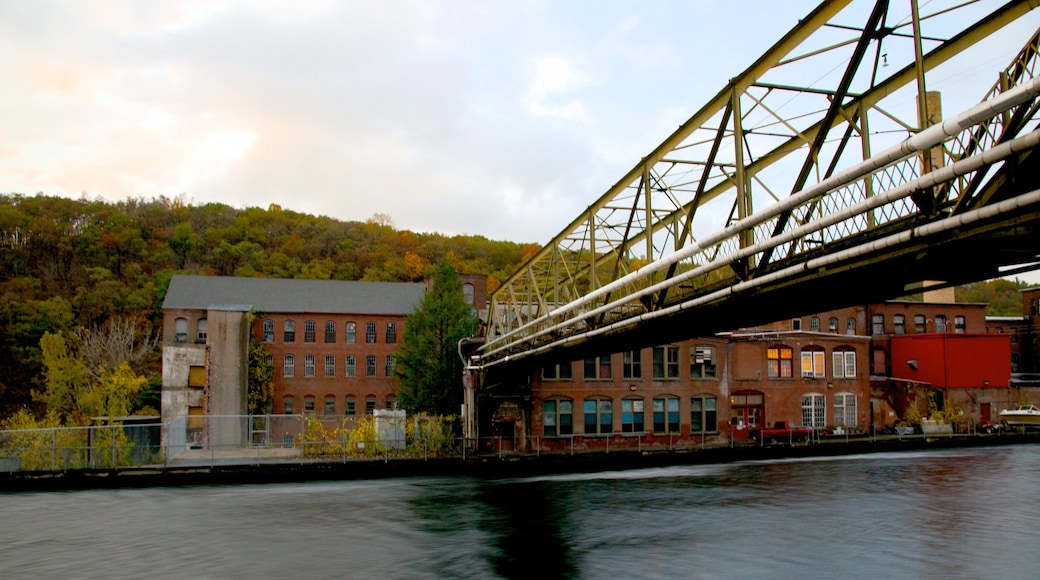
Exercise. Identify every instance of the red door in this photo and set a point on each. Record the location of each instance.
(984, 413)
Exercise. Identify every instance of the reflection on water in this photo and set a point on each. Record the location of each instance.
(922, 514)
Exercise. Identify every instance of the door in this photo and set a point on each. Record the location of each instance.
(984, 413)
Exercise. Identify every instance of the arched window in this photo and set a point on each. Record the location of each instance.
(330, 331)
(959, 324)
(200, 330)
(850, 325)
(843, 362)
(557, 417)
(351, 365)
(370, 404)
(180, 329)
(330, 365)
(632, 415)
(288, 365)
(599, 416)
(704, 416)
(814, 410)
(814, 324)
(289, 331)
(370, 365)
(467, 293)
(666, 414)
(308, 404)
(899, 324)
(309, 330)
(845, 410)
(351, 405)
(370, 332)
(308, 365)
(832, 324)
(391, 402)
(391, 333)
(268, 330)
(779, 363)
(919, 324)
(288, 404)
(814, 362)
(878, 326)
(351, 332)
(330, 405)
(940, 323)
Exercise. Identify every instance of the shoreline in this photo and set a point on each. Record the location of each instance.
(491, 466)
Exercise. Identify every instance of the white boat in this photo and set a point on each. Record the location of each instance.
(1021, 416)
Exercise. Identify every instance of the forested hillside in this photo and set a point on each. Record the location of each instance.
(69, 265)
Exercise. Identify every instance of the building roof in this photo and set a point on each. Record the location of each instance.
(281, 295)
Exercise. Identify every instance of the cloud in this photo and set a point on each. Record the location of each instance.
(556, 77)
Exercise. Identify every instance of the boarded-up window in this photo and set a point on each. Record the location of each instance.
(197, 376)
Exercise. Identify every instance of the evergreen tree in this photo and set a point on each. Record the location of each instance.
(428, 369)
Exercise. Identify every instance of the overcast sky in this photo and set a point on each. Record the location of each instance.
(503, 119)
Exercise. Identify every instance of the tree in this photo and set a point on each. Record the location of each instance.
(428, 369)
(261, 379)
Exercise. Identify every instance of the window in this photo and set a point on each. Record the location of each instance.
(351, 333)
(814, 412)
(703, 414)
(850, 325)
(845, 410)
(288, 404)
(330, 404)
(351, 406)
(814, 324)
(467, 293)
(814, 362)
(370, 365)
(843, 362)
(878, 324)
(631, 365)
(330, 331)
(959, 324)
(666, 362)
(308, 365)
(351, 365)
(832, 324)
(391, 333)
(746, 409)
(779, 363)
(558, 372)
(370, 332)
(632, 415)
(702, 362)
(269, 361)
(599, 416)
(288, 365)
(180, 329)
(389, 368)
(391, 402)
(268, 330)
(940, 323)
(308, 331)
(899, 323)
(919, 326)
(598, 368)
(200, 330)
(289, 331)
(308, 404)
(796, 324)
(370, 404)
(666, 415)
(557, 417)
(330, 365)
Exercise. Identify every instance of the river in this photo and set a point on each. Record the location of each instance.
(961, 513)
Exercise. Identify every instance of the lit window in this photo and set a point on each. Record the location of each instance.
(632, 415)
(599, 416)
(702, 362)
(370, 332)
(631, 365)
(330, 365)
(330, 331)
(878, 324)
(200, 330)
(704, 414)
(666, 414)
(597, 368)
(308, 365)
(779, 362)
(813, 362)
(370, 365)
(814, 410)
(288, 404)
(288, 365)
(289, 331)
(351, 333)
(845, 410)
(899, 324)
(268, 330)
(180, 329)
(330, 405)
(391, 333)
(843, 362)
(351, 365)
(666, 363)
(557, 417)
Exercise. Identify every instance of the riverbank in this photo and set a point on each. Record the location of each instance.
(496, 466)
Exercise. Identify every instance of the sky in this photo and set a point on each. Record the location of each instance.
(480, 117)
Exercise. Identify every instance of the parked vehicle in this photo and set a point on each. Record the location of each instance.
(781, 432)
(1021, 417)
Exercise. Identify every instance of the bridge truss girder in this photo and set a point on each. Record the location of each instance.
(765, 142)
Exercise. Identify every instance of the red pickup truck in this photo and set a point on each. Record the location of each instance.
(781, 432)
